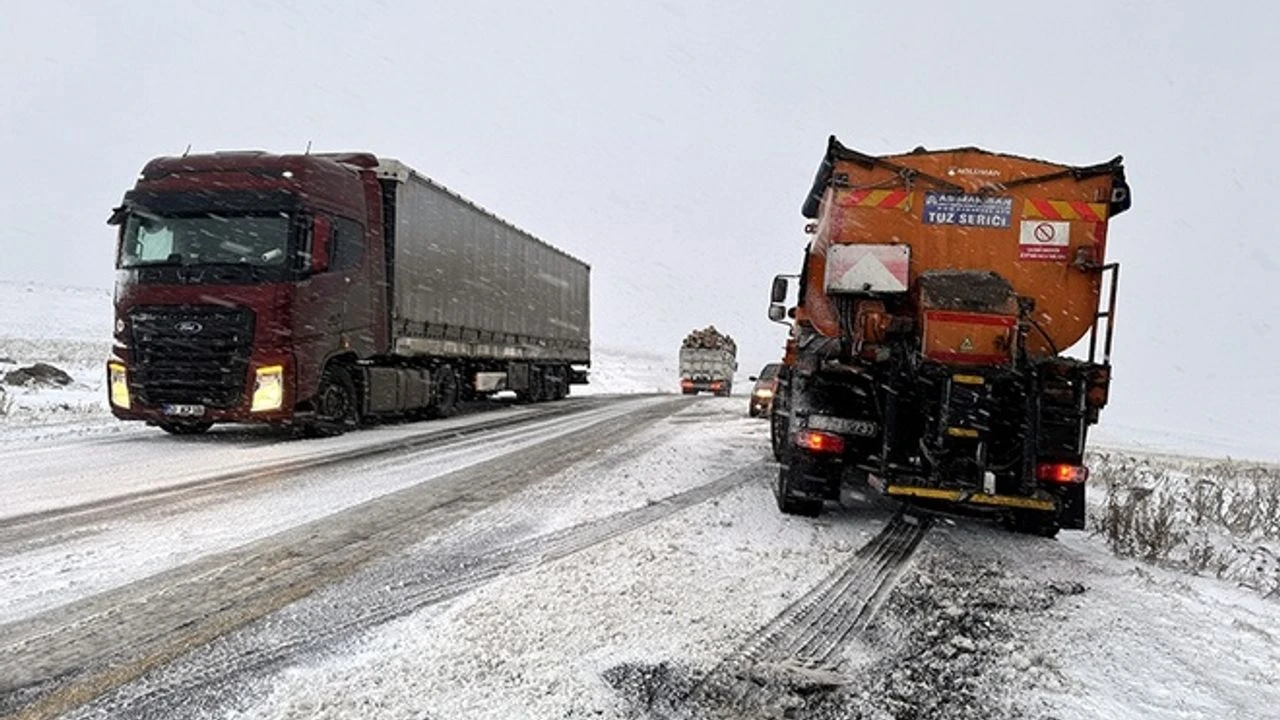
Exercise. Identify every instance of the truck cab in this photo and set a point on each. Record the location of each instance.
(240, 276)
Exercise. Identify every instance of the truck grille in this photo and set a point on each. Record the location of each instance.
(191, 355)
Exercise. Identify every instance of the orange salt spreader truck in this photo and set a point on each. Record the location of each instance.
(936, 299)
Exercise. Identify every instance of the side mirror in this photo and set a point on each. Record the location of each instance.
(321, 231)
(777, 312)
(752, 378)
(778, 293)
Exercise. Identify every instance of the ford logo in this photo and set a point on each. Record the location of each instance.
(188, 327)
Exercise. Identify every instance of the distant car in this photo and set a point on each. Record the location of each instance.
(762, 393)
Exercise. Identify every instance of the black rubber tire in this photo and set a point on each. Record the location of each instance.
(337, 404)
(690, 392)
(777, 434)
(789, 502)
(752, 411)
(536, 392)
(557, 381)
(446, 390)
(185, 428)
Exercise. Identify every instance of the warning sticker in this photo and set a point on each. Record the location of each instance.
(1044, 240)
(942, 208)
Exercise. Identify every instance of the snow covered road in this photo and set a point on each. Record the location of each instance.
(604, 557)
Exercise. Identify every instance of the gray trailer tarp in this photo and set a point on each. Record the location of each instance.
(466, 283)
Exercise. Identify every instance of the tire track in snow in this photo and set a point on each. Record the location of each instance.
(67, 657)
(35, 528)
(804, 643)
(813, 631)
(212, 679)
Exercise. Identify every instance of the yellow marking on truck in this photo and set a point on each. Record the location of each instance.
(968, 379)
(890, 199)
(930, 493)
(976, 498)
(1036, 209)
(962, 432)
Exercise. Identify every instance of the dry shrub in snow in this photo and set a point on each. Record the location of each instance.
(6, 402)
(1138, 521)
(1213, 517)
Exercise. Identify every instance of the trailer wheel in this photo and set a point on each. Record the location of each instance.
(790, 502)
(337, 403)
(447, 391)
(185, 428)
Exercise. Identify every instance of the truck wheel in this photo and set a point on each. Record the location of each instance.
(447, 391)
(337, 403)
(535, 392)
(777, 434)
(790, 502)
(185, 428)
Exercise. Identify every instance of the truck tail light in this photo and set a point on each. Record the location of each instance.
(817, 441)
(1062, 473)
(118, 382)
(268, 388)
(686, 383)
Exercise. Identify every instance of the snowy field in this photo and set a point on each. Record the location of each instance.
(69, 328)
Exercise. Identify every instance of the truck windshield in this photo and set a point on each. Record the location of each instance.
(208, 239)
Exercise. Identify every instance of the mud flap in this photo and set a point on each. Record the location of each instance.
(1072, 514)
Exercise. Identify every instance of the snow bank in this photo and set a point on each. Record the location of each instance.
(628, 370)
(69, 328)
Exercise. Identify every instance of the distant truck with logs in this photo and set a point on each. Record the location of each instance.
(318, 290)
(708, 360)
(927, 353)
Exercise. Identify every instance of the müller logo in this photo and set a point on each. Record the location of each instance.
(983, 172)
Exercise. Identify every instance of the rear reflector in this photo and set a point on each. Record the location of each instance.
(1062, 473)
(820, 442)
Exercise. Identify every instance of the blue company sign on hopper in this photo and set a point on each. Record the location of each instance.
(943, 208)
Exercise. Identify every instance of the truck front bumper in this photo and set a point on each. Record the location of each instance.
(268, 397)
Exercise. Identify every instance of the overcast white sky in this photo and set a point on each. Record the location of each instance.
(670, 144)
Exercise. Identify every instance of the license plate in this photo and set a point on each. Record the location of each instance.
(182, 410)
(864, 428)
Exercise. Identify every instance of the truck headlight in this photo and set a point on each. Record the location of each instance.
(268, 388)
(118, 383)
(764, 393)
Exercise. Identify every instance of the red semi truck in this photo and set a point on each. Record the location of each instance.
(316, 290)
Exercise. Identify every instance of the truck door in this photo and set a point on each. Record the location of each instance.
(335, 312)
(350, 261)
